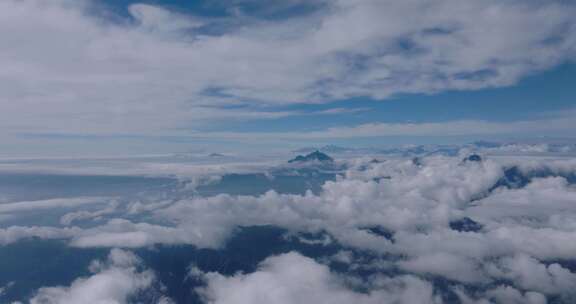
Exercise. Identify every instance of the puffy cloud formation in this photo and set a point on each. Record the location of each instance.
(292, 278)
(440, 188)
(113, 282)
(460, 220)
(162, 71)
(544, 199)
(505, 294)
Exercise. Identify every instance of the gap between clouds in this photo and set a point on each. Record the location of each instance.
(554, 124)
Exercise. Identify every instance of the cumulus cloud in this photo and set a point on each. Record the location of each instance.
(400, 211)
(530, 274)
(293, 278)
(446, 265)
(112, 281)
(539, 201)
(504, 295)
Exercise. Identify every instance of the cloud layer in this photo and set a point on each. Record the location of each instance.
(164, 71)
(497, 230)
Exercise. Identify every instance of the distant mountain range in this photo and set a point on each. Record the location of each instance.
(325, 149)
(489, 147)
(216, 155)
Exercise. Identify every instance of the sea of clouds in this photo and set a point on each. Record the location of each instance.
(437, 229)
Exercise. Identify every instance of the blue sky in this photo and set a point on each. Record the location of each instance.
(274, 9)
(550, 91)
(137, 77)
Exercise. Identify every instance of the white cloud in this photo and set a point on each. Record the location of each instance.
(113, 282)
(510, 295)
(15, 233)
(75, 216)
(523, 230)
(446, 265)
(14, 207)
(538, 201)
(125, 234)
(292, 278)
(77, 73)
(504, 295)
(550, 125)
(529, 274)
(153, 18)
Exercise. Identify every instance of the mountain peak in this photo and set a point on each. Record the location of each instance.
(314, 156)
(473, 158)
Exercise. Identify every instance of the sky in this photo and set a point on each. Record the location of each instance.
(104, 77)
